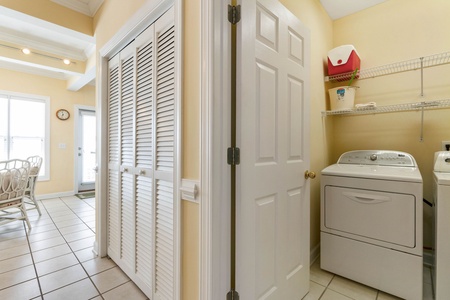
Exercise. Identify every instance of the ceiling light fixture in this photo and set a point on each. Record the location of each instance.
(28, 51)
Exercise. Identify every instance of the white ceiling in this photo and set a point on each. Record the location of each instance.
(340, 8)
(18, 30)
(48, 43)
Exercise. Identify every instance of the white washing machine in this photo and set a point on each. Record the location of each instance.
(442, 225)
(371, 221)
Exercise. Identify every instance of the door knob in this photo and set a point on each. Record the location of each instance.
(309, 174)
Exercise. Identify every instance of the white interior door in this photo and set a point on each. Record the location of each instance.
(273, 136)
(86, 149)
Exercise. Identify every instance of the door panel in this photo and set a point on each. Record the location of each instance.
(273, 136)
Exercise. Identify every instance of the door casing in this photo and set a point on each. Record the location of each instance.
(214, 281)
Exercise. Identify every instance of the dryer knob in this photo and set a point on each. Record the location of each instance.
(373, 157)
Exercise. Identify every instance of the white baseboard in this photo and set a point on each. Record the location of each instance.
(428, 257)
(314, 254)
(55, 195)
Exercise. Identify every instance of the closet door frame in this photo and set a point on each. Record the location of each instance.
(143, 18)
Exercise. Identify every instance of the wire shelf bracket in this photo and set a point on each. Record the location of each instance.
(416, 106)
(399, 67)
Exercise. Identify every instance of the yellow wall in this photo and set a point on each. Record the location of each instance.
(110, 18)
(191, 146)
(394, 31)
(312, 14)
(62, 160)
(53, 13)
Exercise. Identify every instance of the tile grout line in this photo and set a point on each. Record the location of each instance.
(77, 213)
(73, 252)
(34, 264)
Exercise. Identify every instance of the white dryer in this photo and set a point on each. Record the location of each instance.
(442, 225)
(371, 221)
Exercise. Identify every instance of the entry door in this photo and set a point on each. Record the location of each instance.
(272, 223)
(86, 149)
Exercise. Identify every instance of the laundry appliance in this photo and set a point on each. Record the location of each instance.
(371, 221)
(441, 270)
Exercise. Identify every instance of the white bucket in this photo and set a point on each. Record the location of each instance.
(342, 97)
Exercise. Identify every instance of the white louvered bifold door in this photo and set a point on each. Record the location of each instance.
(142, 146)
(114, 212)
(127, 68)
(165, 142)
(144, 160)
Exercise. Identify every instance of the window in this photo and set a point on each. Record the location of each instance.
(25, 128)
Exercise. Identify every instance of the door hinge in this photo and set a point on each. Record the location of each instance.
(233, 156)
(234, 14)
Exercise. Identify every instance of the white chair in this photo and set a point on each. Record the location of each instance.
(13, 182)
(36, 163)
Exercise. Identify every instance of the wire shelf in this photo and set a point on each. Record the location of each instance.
(425, 105)
(403, 66)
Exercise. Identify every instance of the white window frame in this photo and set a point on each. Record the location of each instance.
(46, 100)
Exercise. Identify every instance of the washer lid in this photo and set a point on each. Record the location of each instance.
(442, 161)
(410, 174)
(442, 178)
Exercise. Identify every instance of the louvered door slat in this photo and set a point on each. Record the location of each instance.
(144, 106)
(165, 99)
(144, 159)
(113, 211)
(127, 64)
(164, 239)
(165, 143)
(127, 108)
(144, 229)
(113, 157)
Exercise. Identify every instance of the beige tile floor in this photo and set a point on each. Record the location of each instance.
(327, 286)
(55, 261)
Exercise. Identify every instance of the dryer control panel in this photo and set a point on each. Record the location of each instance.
(378, 157)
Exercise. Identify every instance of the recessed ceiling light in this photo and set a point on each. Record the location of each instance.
(26, 51)
(66, 61)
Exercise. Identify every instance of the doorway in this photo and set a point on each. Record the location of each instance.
(85, 149)
(272, 134)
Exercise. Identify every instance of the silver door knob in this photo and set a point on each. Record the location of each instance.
(309, 174)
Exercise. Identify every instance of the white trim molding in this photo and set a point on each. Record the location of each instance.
(314, 254)
(215, 173)
(87, 8)
(55, 195)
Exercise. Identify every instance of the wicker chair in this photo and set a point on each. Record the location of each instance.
(36, 163)
(13, 182)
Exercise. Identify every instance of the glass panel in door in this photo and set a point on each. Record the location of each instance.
(86, 150)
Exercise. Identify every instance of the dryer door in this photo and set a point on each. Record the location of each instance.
(366, 214)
